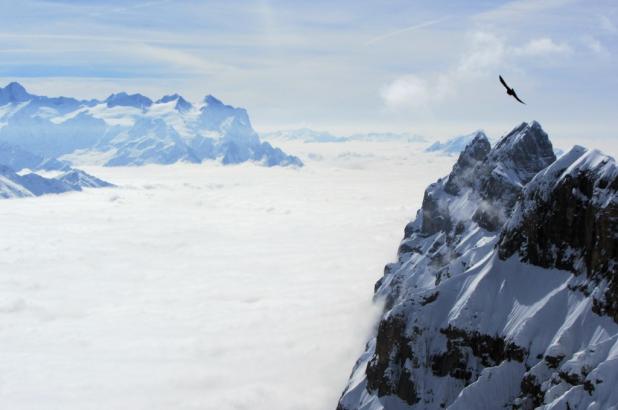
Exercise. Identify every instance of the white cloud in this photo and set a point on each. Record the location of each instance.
(198, 286)
(485, 55)
(542, 47)
(412, 91)
(595, 46)
(407, 90)
(608, 25)
(519, 9)
(485, 52)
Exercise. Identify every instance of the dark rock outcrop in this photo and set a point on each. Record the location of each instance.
(392, 350)
(568, 219)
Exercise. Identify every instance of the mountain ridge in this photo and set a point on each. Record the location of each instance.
(14, 185)
(496, 300)
(132, 129)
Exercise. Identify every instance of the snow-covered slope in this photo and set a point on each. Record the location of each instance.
(455, 145)
(13, 185)
(505, 291)
(132, 129)
(18, 159)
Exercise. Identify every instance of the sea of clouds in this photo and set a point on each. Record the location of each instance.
(203, 286)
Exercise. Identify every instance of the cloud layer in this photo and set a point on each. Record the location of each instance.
(202, 286)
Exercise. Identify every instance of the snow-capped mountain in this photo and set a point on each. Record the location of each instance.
(303, 134)
(505, 291)
(311, 136)
(14, 185)
(131, 129)
(387, 136)
(455, 145)
(17, 158)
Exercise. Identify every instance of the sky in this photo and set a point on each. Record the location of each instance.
(347, 66)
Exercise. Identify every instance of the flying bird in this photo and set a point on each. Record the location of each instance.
(510, 91)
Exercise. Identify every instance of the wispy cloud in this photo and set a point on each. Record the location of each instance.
(517, 9)
(131, 8)
(542, 47)
(192, 62)
(595, 45)
(485, 54)
(408, 91)
(406, 30)
(608, 25)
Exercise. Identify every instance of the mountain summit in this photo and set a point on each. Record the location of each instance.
(13, 93)
(125, 100)
(505, 291)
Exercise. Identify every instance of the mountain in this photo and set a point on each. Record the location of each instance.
(312, 136)
(13, 185)
(454, 145)
(14, 93)
(303, 134)
(78, 179)
(125, 100)
(387, 136)
(505, 290)
(180, 103)
(18, 159)
(131, 129)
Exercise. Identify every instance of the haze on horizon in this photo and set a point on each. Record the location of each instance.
(345, 67)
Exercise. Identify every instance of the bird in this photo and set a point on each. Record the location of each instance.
(510, 91)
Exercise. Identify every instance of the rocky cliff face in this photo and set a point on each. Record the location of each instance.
(504, 293)
(568, 219)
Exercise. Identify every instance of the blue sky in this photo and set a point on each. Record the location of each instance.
(346, 66)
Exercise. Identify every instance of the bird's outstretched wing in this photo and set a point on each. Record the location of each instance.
(504, 83)
(517, 98)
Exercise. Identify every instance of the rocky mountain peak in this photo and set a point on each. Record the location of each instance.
(472, 156)
(14, 93)
(128, 100)
(181, 103)
(510, 165)
(212, 100)
(479, 148)
(525, 150)
(515, 308)
(493, 178)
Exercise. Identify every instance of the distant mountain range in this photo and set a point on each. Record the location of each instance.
(132, 129)
(14, 185)
(311, 136)
(455, 145)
